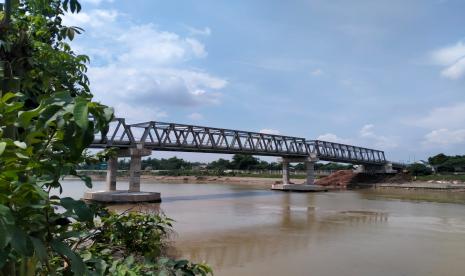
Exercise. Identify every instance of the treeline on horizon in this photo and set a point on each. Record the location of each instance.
(440, 163)
(238, 162)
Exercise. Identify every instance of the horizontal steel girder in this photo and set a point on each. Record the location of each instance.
(190, 138)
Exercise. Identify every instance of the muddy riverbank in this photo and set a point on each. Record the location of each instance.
(267, 182)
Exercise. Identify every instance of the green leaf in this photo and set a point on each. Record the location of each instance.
(9, 96)
(70, 33)
(87, 180)
(39, 249)
(19, 241)
(79, 207)
(2, 147)
(81, 113)
(77, 265)
(20, 145)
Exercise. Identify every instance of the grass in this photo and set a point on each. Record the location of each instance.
(445, 177)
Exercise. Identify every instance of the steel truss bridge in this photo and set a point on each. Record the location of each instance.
(191, 138)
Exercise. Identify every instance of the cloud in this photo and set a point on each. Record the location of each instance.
(330, 137)
(452, 58)
(452, 116)
(444, 137)
(378, 141)
(317, 72)
(199, 32)
(270, 131)
(195, 116)
(94, 18)
(141, 69)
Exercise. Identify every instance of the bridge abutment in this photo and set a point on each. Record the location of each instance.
(383, 168)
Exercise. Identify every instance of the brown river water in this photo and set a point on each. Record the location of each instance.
(247, 230)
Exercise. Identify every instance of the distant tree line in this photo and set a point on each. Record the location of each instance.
(238, 162)
(439, 163)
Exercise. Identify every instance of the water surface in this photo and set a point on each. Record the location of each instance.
(247, 230)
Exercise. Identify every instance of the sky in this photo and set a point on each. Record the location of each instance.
(382, 74)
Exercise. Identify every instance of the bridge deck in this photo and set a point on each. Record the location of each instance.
(191, 138)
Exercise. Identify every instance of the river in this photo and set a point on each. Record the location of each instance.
(248, 230)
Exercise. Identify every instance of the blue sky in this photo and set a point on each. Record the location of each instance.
(382, 74)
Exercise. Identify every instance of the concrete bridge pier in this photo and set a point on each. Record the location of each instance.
(136, 165)
(309, 185)
(286, 178)
(133, 194)
(310, 165)
(112, 169)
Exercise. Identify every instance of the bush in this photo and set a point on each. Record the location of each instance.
(419, 169)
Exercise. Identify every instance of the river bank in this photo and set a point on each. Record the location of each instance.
(261, 181)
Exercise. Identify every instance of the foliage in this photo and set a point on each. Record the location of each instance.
(445, 163)
(437, 159)
(419, 169)
(47, 120)
(130, 243)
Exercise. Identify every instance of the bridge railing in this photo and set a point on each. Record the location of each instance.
(170, 136)
(330, 151)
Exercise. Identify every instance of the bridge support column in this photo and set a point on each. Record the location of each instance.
(135, 166)
(112, 169)
(310, 172)
(286, 178)
(310, 164)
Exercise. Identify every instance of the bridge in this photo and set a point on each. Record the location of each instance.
(138, 140)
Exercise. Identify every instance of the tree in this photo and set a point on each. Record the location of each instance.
(220, 164)
(47, 120)
(438, 159)
(244, 162)
(419, 169)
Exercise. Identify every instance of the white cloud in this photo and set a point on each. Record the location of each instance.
(317, 72)
(141, 69)
(366, 131)
(444, 137)
(330, 137)
(455, 71)
(452, 58)
(195, 116)
(94, 18)
(378, 141)
(452, 116)
(270, 131)
(202, 32)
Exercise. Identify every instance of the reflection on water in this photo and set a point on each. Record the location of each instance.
(242, 230)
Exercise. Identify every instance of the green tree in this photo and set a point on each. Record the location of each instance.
(438, 160)
(45, 128)
(244, 162)
(220, 164)
(419, 169)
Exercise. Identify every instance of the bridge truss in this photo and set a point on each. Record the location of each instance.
(191, 138)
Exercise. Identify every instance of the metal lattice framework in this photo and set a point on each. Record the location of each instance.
(330, 151)
(180, 137)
